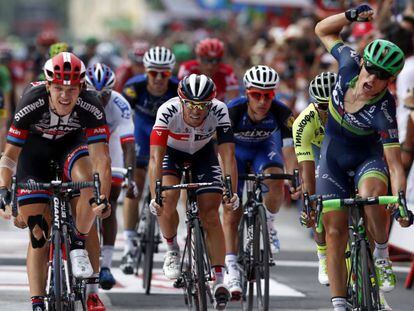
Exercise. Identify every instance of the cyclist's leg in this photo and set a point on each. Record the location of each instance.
(332, 182)
(372, 180)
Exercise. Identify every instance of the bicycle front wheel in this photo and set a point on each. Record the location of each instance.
(261, 257)
(199, 263)
(370, 290)
(149, 251)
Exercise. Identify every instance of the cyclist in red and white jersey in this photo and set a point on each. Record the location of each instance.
(183, 133)
(50, 123)
(209, 53)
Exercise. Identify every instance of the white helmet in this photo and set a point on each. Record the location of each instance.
(261, 77)
(159, 57)
(320, 88)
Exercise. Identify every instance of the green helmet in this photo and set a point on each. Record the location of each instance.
(58, 47)
(385, 55)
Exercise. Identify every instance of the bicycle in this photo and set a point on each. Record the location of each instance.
(362, 283)
(63, 290)
(195, 263)
(148, 239)
(254, 255)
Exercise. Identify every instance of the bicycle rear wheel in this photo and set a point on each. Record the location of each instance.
(261, 255)
(149, 251)
(199, 263)
(57, 272)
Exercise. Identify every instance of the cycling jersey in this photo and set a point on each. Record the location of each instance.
(119, 118)
(278, 123)
(171, 130)
(224, 79)
(145, 106)
(34, 117)
(308, 130)
(372, 124)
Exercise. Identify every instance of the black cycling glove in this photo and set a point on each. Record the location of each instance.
(353, 14)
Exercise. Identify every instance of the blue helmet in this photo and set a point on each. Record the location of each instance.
(100, 77)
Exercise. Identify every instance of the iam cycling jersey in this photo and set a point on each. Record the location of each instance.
(308, 130)
(372, 124)
(171, 130)
(260, 143)
(352, 146)
(119, 118)
(224, 79)
(145, 106)
(34, 117)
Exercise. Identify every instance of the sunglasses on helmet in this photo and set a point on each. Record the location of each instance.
(378, 72)
(164, 73)
(196, 105)
(258, 95)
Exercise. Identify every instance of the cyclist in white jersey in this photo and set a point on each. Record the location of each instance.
(182, 133)
(101, 78)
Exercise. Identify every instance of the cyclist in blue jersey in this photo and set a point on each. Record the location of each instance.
(361, 132)
(145, 93)
(262, 129)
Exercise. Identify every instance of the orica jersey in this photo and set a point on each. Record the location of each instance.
(171, 130)
(374, 123)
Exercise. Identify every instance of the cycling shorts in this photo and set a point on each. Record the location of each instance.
(204, 166)
(34, 162)
(337, 160)
(142, 133)
(263, 156)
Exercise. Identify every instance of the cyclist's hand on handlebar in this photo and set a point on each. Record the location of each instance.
(232, 204)
(362, 13)
(295, 194)
(19, 222)
(307, 221)
(102, 210)
(403, 221)
(132, 191)
(155, 208)
(5, 209)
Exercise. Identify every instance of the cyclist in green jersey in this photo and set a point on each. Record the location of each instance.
(308, 132)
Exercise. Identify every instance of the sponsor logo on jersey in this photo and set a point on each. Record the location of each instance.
(289, 121)
(384, 110)
(255, 133)
(168, 113)
(90, 108)
(130, 92)
(218, 112)
(126, 113)
(99, 130)
(301, 127)
(306, 153)
(15, 131)
(393, 133)
(29, 108)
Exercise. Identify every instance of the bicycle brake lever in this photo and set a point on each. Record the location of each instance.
(228, 185)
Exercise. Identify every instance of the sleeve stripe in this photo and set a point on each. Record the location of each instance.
(127, 138)
(391, 145)
(97, 137)
(16, 140)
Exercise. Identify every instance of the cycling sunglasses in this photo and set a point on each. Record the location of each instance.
(196, 105)
(213, 61)
(164, 73)
(380, 73)
(258, 95)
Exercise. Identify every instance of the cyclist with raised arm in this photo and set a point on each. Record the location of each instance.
(262, 129)
(182, 133)
(210, 52)
(56, 120)
(361, 133)
(308, 133)
(145, 93)
(101, 78)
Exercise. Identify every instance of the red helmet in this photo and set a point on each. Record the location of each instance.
(46, 38)
(210, 47)
(65, 69)
(136, 54)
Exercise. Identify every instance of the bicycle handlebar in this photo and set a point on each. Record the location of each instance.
(263, 176)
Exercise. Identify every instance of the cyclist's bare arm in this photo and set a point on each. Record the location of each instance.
(157, 154)
(12, 153)
(307, 170)
(128, 149)
(329, 28)
(101, 163)
(227, 155)
(397, 175)
(291, 162)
